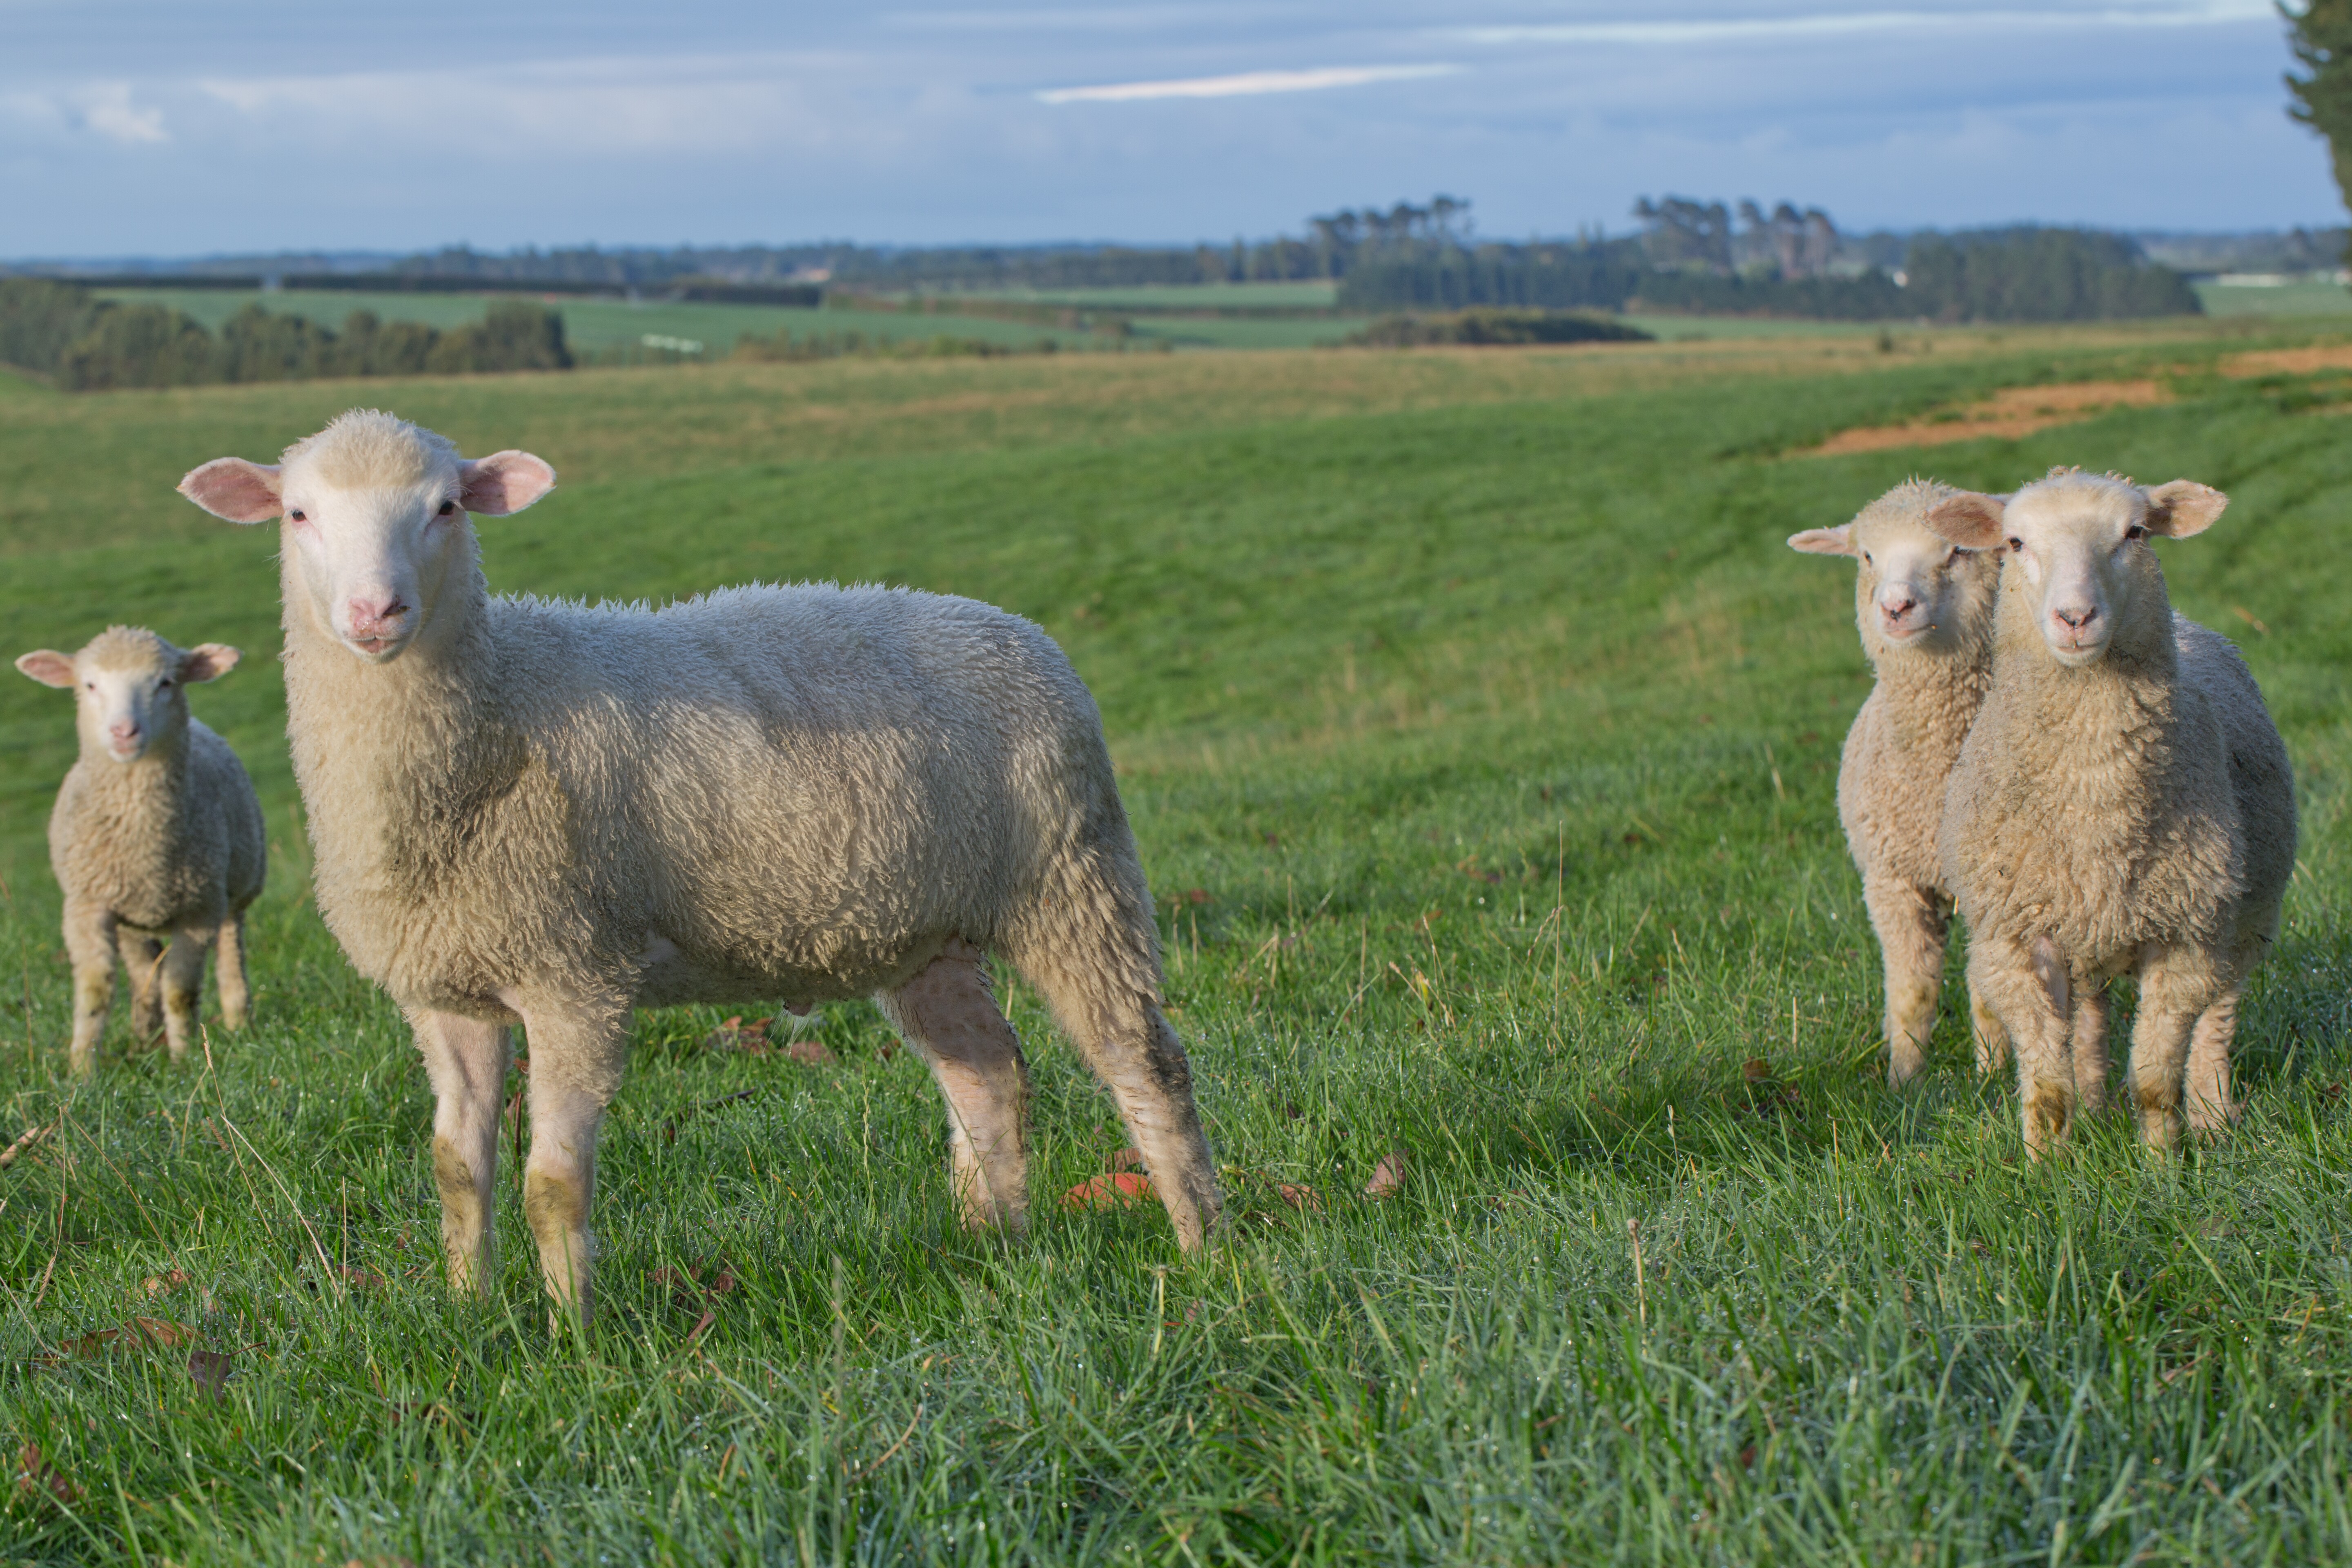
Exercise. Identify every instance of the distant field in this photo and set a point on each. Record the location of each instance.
(1308, 294)
(2285, 299)
(601, 324)
(1480, 735)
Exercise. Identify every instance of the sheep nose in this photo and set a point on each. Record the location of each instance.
(1895, 612)
(123, 730)
(2078, 618)
(373, 619)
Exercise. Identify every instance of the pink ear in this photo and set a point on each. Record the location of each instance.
(503, 482)
(209, 661)
(2182, 507)
(1969, 520)
(235, 488)
(47, 666)
(1838, 541)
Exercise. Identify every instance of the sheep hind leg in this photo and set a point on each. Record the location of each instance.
(466, 1060)
(143, 960)
(237, 1005)
(2089, 1045)
(1991, 1034)
(91, 943)
(946, 1015)
(1911, 923)
(577, 1053)
(2211, 1109)
(183, 985)
(1101, 977)
(2177, 987)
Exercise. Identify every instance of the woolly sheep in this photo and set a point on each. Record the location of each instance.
(549, 814)
(156, 834)
(2123, 803)
(1925, 608)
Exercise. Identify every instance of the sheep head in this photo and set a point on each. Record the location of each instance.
(375, 521)
(129, 687)
(2075, 549)
(1914, 588)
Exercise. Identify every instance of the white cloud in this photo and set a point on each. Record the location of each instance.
(1830, 25)
(1244, 84)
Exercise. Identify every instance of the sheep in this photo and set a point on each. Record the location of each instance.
(551, 813)
(157, 834)
(2123, 803)
(1925, 606)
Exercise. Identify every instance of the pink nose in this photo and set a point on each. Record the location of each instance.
(123, 730)
(376, 620)
(2080, 619)
(1896, 612)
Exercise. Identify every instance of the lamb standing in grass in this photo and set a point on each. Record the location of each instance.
(549, 813)
(1926, 609)
(2123, 803)
(156, 834)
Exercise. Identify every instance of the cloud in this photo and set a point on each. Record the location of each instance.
(1852, 24)
(1243, 85)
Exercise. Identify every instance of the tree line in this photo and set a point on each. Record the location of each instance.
(66, 333)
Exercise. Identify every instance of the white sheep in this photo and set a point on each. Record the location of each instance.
(1925, 608)
(550, 813)
(156, 834)
(2123, 803)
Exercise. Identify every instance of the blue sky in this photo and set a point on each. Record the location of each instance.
(168, 127)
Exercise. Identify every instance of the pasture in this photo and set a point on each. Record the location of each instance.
(1480, 735)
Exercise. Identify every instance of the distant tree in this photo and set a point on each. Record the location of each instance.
(1681, 232)
(2321, 36)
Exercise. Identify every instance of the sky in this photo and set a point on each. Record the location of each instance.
(173, 128)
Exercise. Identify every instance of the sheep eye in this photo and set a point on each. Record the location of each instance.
(449, 509)
(162, 686)
(1867, 560)
(2135, 531)
(2016, 543)
(297, 515)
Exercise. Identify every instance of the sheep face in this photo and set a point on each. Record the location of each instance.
(128, 686)
(375, 520)
(1914, 588)
(2075, 550)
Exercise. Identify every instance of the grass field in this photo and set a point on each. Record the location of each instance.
(1481, 736)
(2285, 299)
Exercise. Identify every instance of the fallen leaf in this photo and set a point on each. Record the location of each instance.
(37, 1478)
(1755, 1070)
(164, 1332)
(1115, 1191)
(810, 1053)
(1300, 1197)
(1128, 1159)
(25, 1142)
(1387, 1176)
(156, 1284)
(709, 1316)
(1196, 895)
(210, 1370)
(1747, 1457)
(358, 1278)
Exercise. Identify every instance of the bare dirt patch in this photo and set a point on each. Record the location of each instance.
(2289, 361)
(2012, 412)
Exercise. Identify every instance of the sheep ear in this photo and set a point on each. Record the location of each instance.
(2182, 507)
(235, 490)
(503, 482)
(1969, 520)
(48, 666)
(209, 661)
(1838, 541)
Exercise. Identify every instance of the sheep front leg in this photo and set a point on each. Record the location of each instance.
(465, 1059)
(89, 944)
(1910, 923)
(2030, 990)
(235, 1000)
(2177, 985)
(1991, 1034)
(184, 986)
(948, 1015)
(143, 963)
(576, 1056)
(2207, 1088)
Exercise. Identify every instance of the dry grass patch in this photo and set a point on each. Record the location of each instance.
(2011, 413)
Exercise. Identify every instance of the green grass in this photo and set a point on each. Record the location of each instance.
(2285, 299)
(1308, 294)
(1481, 737)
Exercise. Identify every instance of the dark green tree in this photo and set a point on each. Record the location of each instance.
(2321, 36)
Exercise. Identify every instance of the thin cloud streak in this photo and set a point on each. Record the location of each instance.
(2206, 12)
(1244, 84)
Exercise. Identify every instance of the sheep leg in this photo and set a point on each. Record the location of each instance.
(142, 958)
(2030, 992)
(183, 985)
(1991, 1034)
(2206, 1085)
(946, 1014)
(1911, 924)
(576, 1057)
(2091, 1045)
(229, 967)
(466, 1060)
(89, 944)
(2177, 986)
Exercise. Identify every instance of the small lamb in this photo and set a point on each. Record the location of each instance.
(156, 834)
(552, 814)
(1926, 609)
(2124, 803)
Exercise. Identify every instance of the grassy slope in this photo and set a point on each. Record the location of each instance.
(1478, 701)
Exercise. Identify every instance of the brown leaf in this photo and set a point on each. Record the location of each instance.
(38, 1479)
(1196, 895)
(1115, 1191)
(709, 1316)
(809, 1053)
(25, 1143)
(1755, 1070)
(164, 1332)
(1300, 1196)
(1387, 1176)
(156, 1284)
(210, 1370)
(1128, 1159)
(358, 1278)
